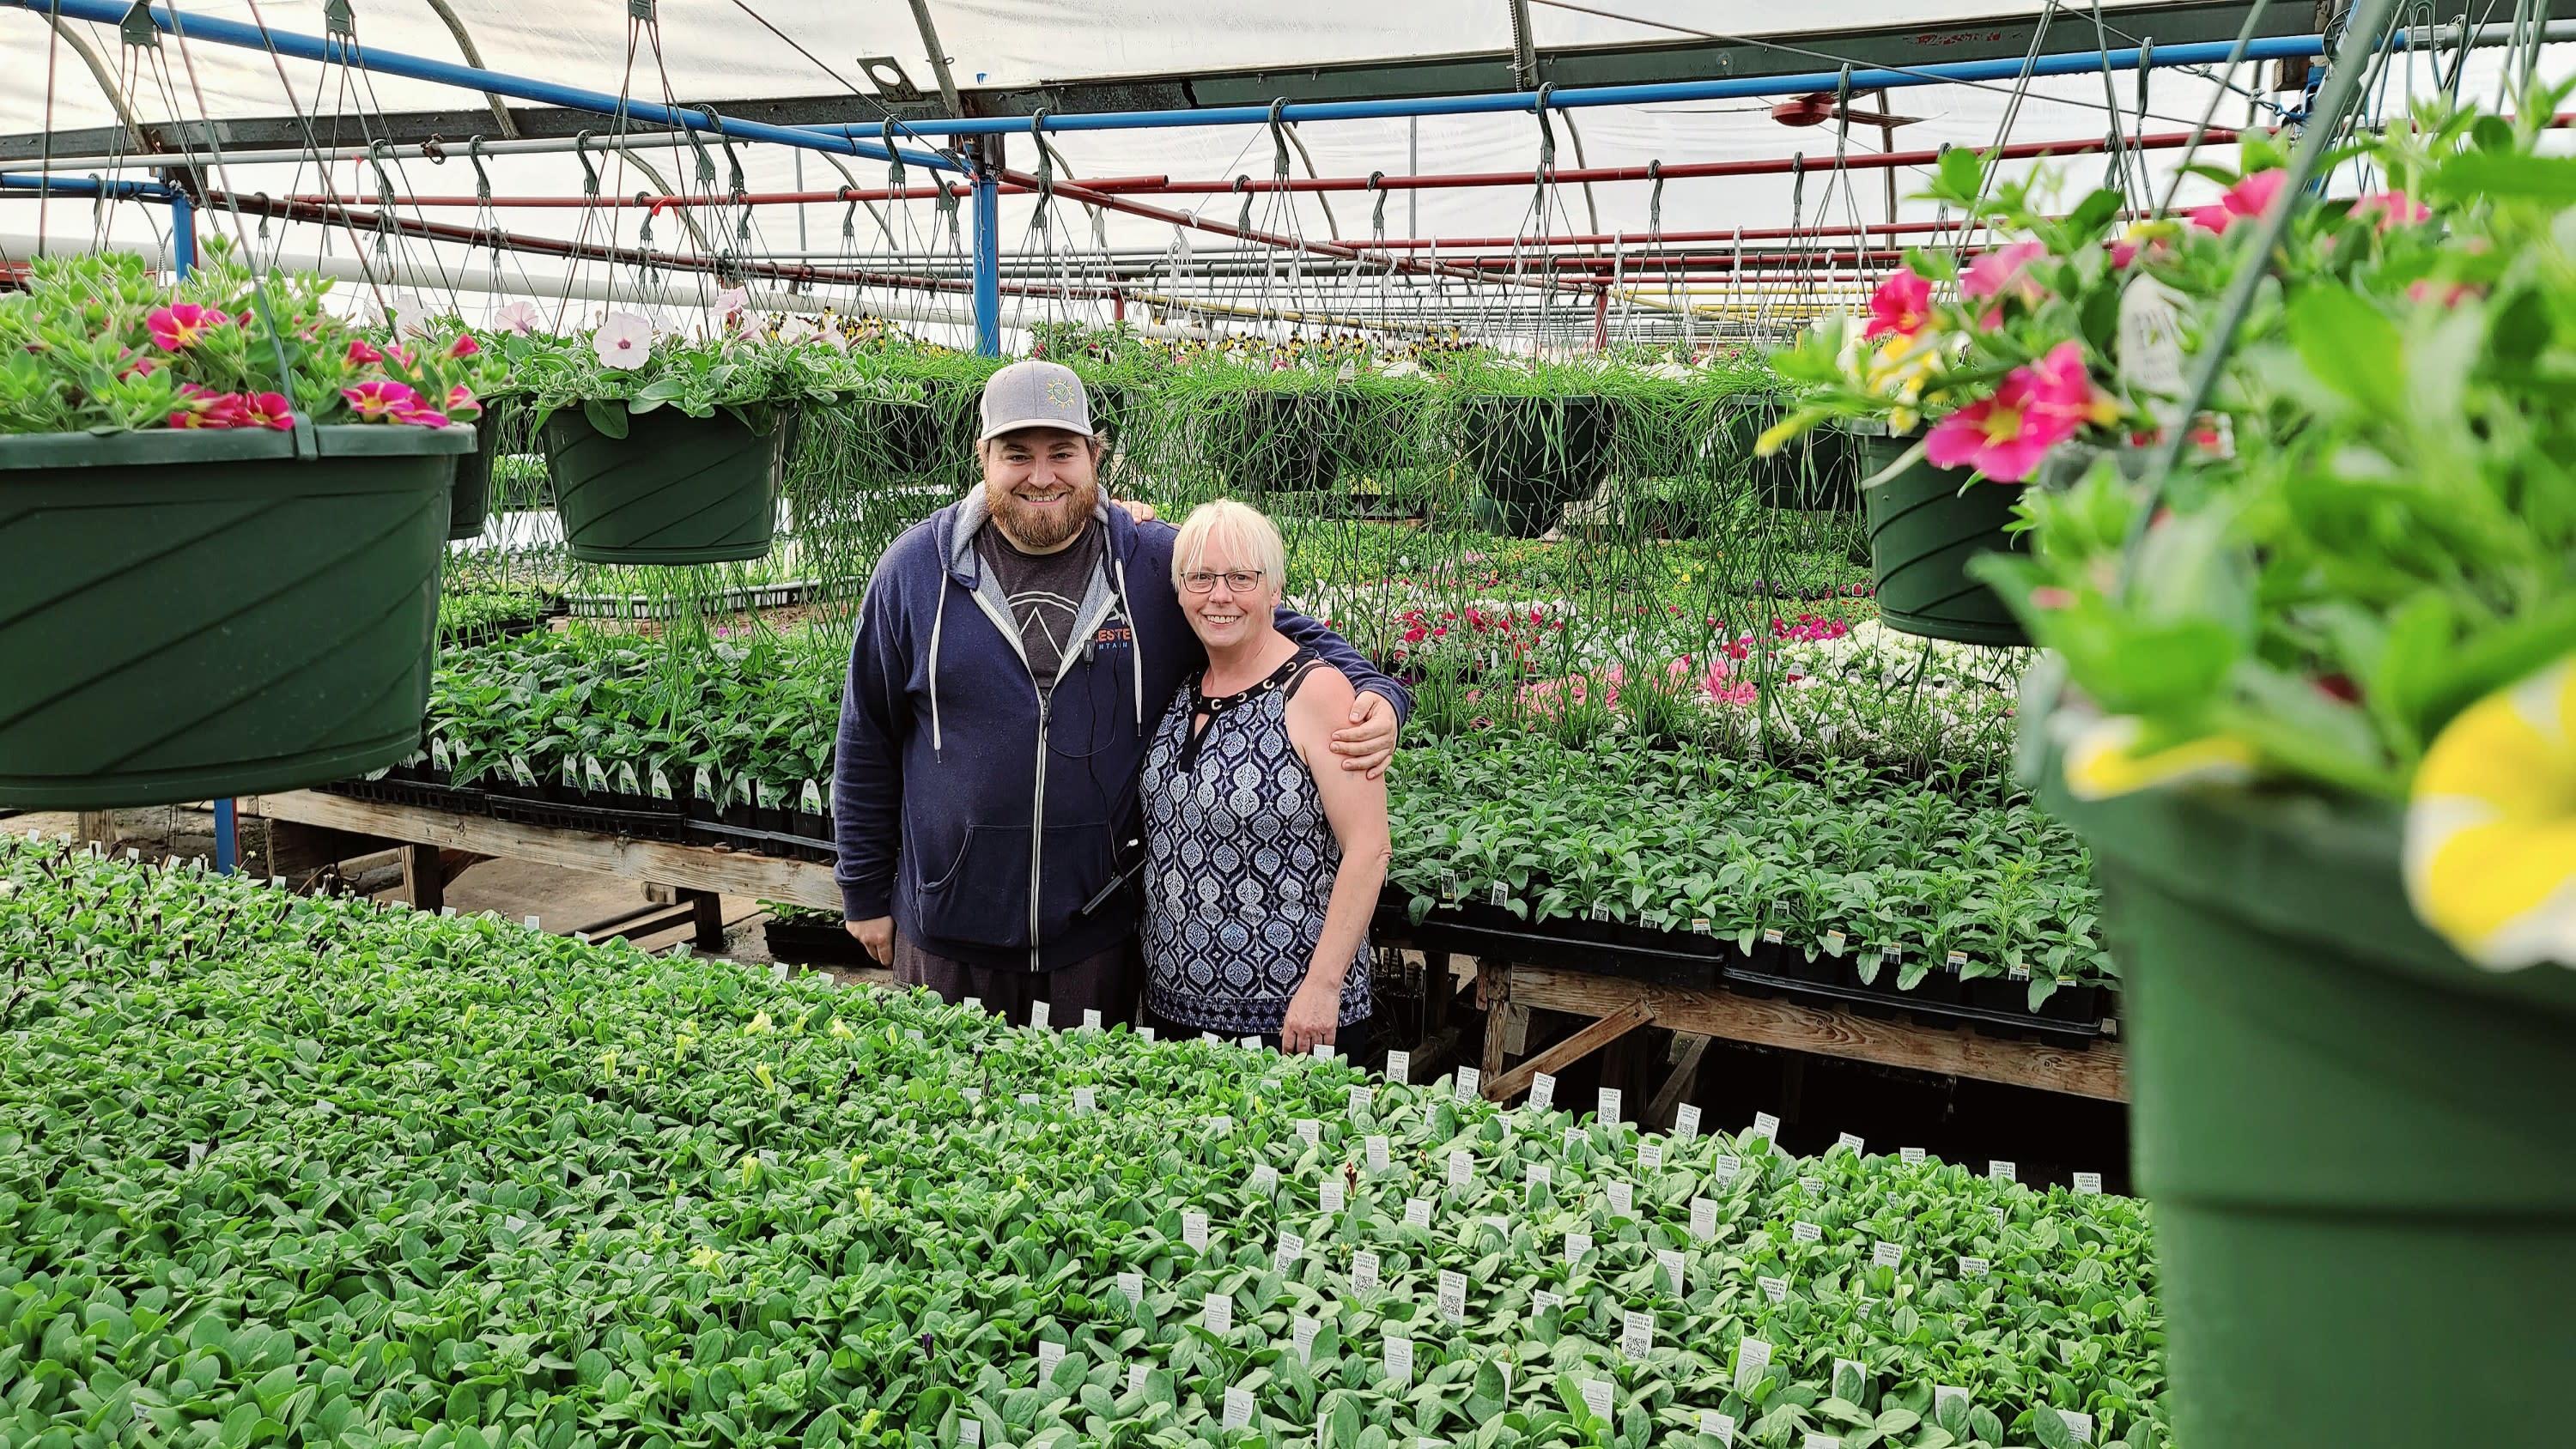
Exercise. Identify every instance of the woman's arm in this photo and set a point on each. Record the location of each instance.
(1355, 804)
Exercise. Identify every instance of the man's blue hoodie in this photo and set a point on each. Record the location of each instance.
(981, 819)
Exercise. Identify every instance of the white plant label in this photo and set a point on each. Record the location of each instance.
(1834, 942)
(1194, 1226)
(1301, 1336)
(1090, 1018)
(1771, 936)
(1887, 1255)
(1806, 1232)
(1086, 1099)
(1726, 1167)
(1291, 1248)
(1144, 1033)
(1133, 1285)
(1608, 1111)
(1752, 1361)
(628, 784)
(1820, 1441)
(2079, 1425)
(1399, 1360)
(1470, 1082)
(1573, 1139)
(1703, 1218)
(527, 778)
(1766, 1126)
(1541, 1300)
(1650, 1153)
(972, 1003)
(1775, 1289)
(1265, 1180)
(1596, 1396)
(1538, 1175)
(1812, 1186)
(1238, 1410)
(1399, 1066)
(1910, 1156)
(1361, 1097)
(1377, 1154)
(1716, 1425)
(1364, 1271)
(661, 784)
(1029, 1099)
(1331, 1195)
(2001, 1171)
(1850, 1141)
(1218, 1314)
(970, 1433)
(1417, 1213)
(1699, 925)
(1049, 1355)
(1973, 1267)
(1135, 1378)
(1449, 884)
(1636, 1334)
(1623, 1199)
(1041, 1016)
(1686, 1121)
(1248, 1043)
(1956, 960)
(1670, 1260)
(1943, 1395)
(1576, 1245)
(2088, 1184)
(1542, 1092)
(1501, 896)
(1309, 1131)
(1453, 1295)
(1462, 1169)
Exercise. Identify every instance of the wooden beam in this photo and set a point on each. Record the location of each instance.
(424, 877)
(708, 915)
(1685, 1077)
(2099, 1071)
(1621, 1021)
(1494, 993)
(694, 867)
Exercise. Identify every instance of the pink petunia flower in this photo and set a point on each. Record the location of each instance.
(1901, 305)
(624, 341)
(420, 417)
(2391, 208)
(2061, 385)
(266, 410)
(2003, 273)
(464, 346)
(362, 352)
(2249, 198)
(518, 317)
(2003, 436)
(380, 400)
(179, 325)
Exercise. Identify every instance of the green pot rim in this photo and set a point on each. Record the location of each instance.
(159, 447)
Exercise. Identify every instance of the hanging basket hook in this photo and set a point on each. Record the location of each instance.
(482, 178)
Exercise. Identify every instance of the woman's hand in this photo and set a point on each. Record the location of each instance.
(1314, 1014)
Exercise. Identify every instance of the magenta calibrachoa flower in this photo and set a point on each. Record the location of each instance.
(2006, 435)
(203, 407)
(380, 401)
(2249, 198)
(265, 410)
(1901, 306)
(180, 324)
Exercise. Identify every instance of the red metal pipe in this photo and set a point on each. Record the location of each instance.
(750, 198)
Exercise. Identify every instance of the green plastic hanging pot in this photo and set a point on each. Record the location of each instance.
(2356, 1144)
(674, 490)
(1925, 523)
(189, 615)
(470, 499)
(1283, 442)
(1533, 455)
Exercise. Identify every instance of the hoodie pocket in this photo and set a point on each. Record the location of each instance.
(982, 899)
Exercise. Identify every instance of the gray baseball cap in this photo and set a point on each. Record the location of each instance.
(1035, 394)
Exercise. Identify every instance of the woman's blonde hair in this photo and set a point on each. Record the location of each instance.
(1245, 529)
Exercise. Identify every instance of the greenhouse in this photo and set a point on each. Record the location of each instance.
(1482, 723)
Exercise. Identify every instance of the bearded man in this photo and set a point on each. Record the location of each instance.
(1008, 650)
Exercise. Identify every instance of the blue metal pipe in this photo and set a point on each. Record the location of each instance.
(183, 256)
(988, 264)
(1660, 93)
(386, 62)
(83, 186)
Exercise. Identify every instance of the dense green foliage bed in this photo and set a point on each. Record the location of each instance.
(287, 1170)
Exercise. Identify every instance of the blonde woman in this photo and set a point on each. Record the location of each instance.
(1263, 861)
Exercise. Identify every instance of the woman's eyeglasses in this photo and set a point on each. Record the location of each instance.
(1240, 581)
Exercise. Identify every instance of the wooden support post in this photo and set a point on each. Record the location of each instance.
(1494, 993)
(1439, 990)
(424, 877)
(1677, 1087)
(1573, 1049)
(710, 920)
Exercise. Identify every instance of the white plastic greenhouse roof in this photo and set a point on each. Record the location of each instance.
(716, 49)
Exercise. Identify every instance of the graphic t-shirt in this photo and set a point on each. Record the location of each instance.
(1045, 590)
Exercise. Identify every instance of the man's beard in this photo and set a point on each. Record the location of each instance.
(1041, 529)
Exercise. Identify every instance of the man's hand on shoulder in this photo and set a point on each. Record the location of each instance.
(1137, 508)
(1368, 741)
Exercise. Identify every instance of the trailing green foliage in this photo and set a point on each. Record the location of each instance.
(277, 1169)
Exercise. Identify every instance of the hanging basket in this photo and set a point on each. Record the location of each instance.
(674, 490)
(2355, 1141)
(1534, 455)
(1283, 442)
(1817, 471)
(470, 499)
(191, 615)
(1925, 523)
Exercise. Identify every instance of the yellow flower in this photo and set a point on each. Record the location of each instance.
(761, 1070)
(608, 1061)
(2103, 760)
(759, 1025)
(705, 1260)
(841, 1030)
(2491, 827)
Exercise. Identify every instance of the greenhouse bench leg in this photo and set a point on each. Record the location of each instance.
(424, 877)
(1583, 1043)
(708, 916)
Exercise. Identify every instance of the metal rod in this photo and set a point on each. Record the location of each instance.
(39, 182)
(988, 262)
(474, 78)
